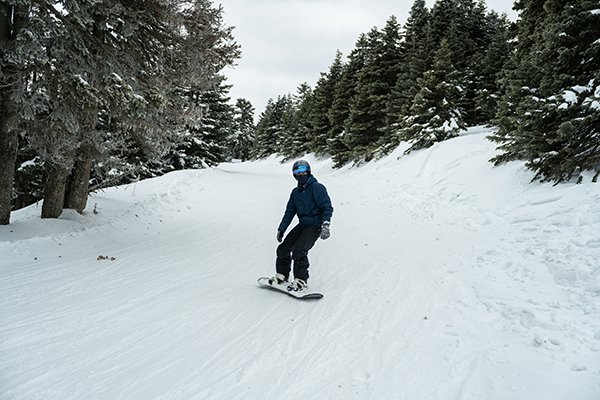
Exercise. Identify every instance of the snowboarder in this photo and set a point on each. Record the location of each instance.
(310, 201)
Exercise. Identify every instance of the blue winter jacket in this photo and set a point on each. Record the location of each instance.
(310, 202)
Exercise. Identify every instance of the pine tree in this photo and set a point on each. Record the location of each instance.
(272, 128)
(321, 103)
(205, 140)
(265, 142)
(549, 114)
(435, 113)
(204, 143)
(29, 177)
(488, 89)
(414, 47)
(130, 63)
(445, 15)
(470, 29)
(240, 142)
(21, 45)
(368, 119)
(344, 95)
(358, 127)
(476, 32)
(442, 77)
(286, 129)
(475, 29)
(297, 140)
(518, 76)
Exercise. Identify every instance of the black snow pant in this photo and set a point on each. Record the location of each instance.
(295, 247)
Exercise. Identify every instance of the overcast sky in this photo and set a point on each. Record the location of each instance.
(288, 42)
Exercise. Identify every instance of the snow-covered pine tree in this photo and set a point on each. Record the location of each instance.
(29, 178)
(435, 113)
(517, 79)
(21, 46)
(469, 31)
(205, 140)
(129, 63)
(172, 55)
(204, 143)
(242, 137)
(55, 97)
(550, 111)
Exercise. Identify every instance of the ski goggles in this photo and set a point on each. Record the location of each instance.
(301, 170)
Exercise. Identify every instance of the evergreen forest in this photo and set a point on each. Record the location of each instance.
(448, 68)
(96, 93)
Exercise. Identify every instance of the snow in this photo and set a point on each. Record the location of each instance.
(444, 278)
(570, 98)
(28, 163)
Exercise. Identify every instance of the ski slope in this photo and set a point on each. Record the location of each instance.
(444, 278)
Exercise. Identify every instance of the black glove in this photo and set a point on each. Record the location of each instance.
(325, 231)
(279, 236)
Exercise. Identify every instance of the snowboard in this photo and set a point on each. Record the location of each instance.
(268, 282)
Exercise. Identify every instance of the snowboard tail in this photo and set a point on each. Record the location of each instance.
(268, 282)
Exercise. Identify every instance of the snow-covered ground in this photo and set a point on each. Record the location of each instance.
(444, 278)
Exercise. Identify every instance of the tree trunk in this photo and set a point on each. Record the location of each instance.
(8, 156)
(54, 195)
(9, 112)
(78, 183)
